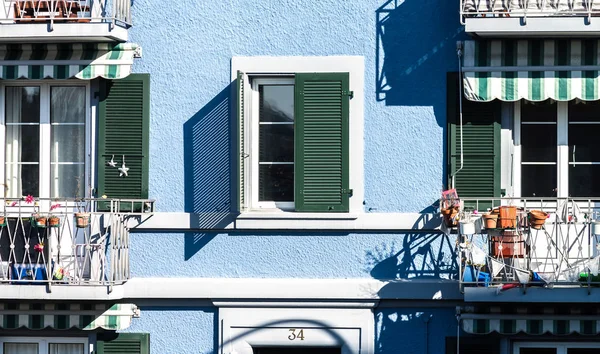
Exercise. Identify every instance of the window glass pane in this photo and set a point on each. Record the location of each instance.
(276, 103)
(538, 143)
(538, 111)
(583, 142)
(537, 351)
(538, 181)
(67, 181)
(21, 348)
(22, 104)
(67, 104)
(276, 183)
(296, 350)
(22, 143)
(583, 350)
(276, 142)
(584, 111)
(583, 180)
(22, 180)
(65, 348)
(68, 143)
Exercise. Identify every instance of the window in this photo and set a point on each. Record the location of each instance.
(37, 345)
(297, 151)
(523, 149)
(46, 134)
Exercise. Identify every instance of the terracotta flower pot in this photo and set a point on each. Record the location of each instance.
(490, 220)
(449, 216)
(54, 221)
(537, 219)
(82, 220)
(508, 217)
(509, 244)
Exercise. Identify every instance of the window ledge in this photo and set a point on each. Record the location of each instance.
(281, 214)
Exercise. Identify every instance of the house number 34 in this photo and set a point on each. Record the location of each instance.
(296, 334)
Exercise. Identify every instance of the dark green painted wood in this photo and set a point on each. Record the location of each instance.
(240, 142)
(480, 176)
(124, 128)
(124, 343)
(321, 165)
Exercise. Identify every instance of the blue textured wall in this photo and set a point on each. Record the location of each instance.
(180, 330)
(416, 331)
(188, 51)
(298, 255)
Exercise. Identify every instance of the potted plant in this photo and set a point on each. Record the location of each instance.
(490, 220)
(449, 207)
(537, 219)
(53, 220)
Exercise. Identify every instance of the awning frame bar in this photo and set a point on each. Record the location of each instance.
(489, 69)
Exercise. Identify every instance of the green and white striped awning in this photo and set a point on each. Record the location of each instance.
(66, 316)
(534, 70)
(531, 320)
(63, 61)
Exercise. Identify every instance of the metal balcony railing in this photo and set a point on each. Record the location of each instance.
(562, 249)
(66, 241)
(116, 12)
(527, 8)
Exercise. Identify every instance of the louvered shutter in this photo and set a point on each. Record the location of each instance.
(480, 175)
(240, 151)
(124, 127)
(321, 142)
(124, 343)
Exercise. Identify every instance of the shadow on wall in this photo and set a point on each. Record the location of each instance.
(208, 138)
(416, 46)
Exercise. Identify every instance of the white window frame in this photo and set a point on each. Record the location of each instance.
(562, 158)
(561, 348)
(286, 66)
(241, 329)
(253, 127)
(44, 342)
(45, 130)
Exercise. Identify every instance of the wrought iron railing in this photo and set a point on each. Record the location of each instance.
(67, 242)
(551, 241)
(117, 12)
(527, 8)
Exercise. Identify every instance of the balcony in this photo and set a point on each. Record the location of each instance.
(65, 21)
(528, 18)
(548, 243)
(62, 243)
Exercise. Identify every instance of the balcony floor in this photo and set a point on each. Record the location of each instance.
(573, 26)
(61, 32)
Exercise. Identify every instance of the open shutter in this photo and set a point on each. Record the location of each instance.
(240, 149)
(124, 127)
(124, 343)
(321, 142)
(480, 175)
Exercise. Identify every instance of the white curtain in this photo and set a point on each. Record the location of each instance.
(64, 348)
(21, 348)
(14, 181)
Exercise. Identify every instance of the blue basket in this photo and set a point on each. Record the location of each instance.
(28, 273)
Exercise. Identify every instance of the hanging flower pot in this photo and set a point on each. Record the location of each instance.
(490, 220)
(53, 221)
(466, 228)
(508, 217)
(596, 227)
(82, 220)
(2, 221)
(450, 216)
(537, 219)
(38, 220)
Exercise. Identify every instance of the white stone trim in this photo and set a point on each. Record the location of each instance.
(354, 292)
(281, 220)
(354, 65)
(241, 329)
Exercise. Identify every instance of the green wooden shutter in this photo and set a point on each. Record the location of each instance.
(480, 176)
(124, 343)
(124, 127)
(240, 142)
(321, 142)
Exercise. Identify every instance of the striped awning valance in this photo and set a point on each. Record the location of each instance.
(66, 316)
(63, 61)
(531, 320)
(534, 70)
